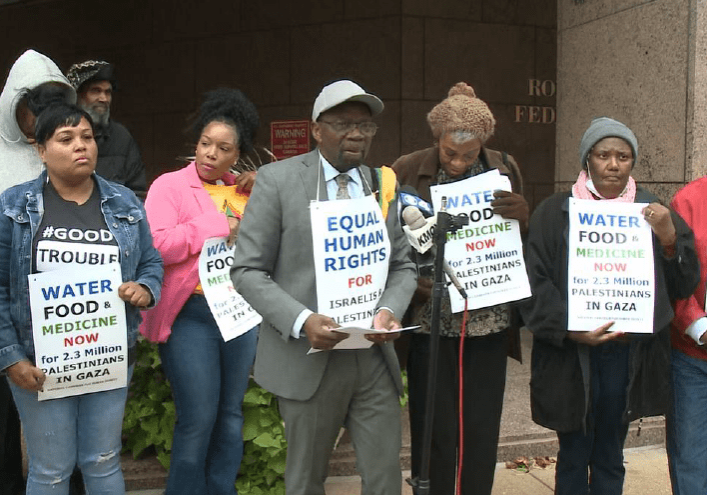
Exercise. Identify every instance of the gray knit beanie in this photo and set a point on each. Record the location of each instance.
(601, 128)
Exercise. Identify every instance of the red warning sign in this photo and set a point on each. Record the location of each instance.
(289, 138)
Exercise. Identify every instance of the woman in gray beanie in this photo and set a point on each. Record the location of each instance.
(588, 386)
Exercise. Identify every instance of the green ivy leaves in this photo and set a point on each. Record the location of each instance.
(149, 412)
(265, 452)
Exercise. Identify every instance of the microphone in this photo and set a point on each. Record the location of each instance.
(408, 197)
(419, 232)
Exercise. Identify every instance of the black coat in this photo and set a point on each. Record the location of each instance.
(560, 372)
(119, 158)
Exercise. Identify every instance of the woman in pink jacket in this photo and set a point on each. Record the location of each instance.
(208, 375)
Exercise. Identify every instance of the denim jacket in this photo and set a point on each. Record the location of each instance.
(22, 210)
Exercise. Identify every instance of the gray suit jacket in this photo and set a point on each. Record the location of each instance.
(274, 270)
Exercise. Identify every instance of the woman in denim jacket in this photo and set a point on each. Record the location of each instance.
(81, 429)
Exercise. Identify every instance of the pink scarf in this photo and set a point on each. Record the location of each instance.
(581, 191)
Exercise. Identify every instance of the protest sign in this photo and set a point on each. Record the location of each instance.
(232, 313)
(351, 257)
(610, 267)
(487, 254)
(79, 329)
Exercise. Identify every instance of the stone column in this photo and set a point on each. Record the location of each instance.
(643, 62)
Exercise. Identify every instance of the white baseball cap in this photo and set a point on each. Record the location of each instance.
(340, 92)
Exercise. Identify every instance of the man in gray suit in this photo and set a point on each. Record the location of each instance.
(274, 269)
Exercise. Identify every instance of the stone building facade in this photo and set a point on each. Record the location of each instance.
(280, 53)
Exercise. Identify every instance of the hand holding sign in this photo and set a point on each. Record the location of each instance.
(320, 330)
(513, 206)
(233, 224)
(658, 217)
(596, 337)
(246, 180)
(27, 376)
(384, 320)
(135, 294)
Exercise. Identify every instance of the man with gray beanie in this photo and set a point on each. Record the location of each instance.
(298, 207)
(118, 154)
(588, 385)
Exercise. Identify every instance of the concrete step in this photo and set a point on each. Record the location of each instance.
(143, 473)
(148, 473)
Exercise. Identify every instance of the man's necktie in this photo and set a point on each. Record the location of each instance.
(343, 181)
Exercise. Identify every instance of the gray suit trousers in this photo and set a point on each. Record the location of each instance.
(357, 392)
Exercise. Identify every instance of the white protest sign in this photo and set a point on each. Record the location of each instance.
(79, 329)
(351, 257)
(487, 254)
(232, 313)
(610, 267)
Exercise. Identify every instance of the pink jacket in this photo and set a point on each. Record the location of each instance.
(182, 216)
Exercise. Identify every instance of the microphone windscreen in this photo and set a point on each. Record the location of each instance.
(413, 218)
(409, 197)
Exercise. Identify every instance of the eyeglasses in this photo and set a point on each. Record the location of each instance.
(366, 128)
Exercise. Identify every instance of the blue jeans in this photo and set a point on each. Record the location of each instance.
(687, 425)
(209, 378)
(61, 433)
(599, 451)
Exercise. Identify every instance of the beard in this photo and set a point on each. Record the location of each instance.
(342, 164)
(100, 114)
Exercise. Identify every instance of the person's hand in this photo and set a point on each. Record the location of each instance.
(27, 376)
(135, 294)
(320, 332)
(233, 224)
(246, 180)
(596, 337)
(384, 320)
(511, 205)
(658, 217)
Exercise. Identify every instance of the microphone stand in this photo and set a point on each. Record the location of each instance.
(445, 223)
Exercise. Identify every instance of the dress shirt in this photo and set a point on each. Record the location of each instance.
(355, 192)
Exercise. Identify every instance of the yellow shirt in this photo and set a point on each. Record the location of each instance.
(230, 200)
